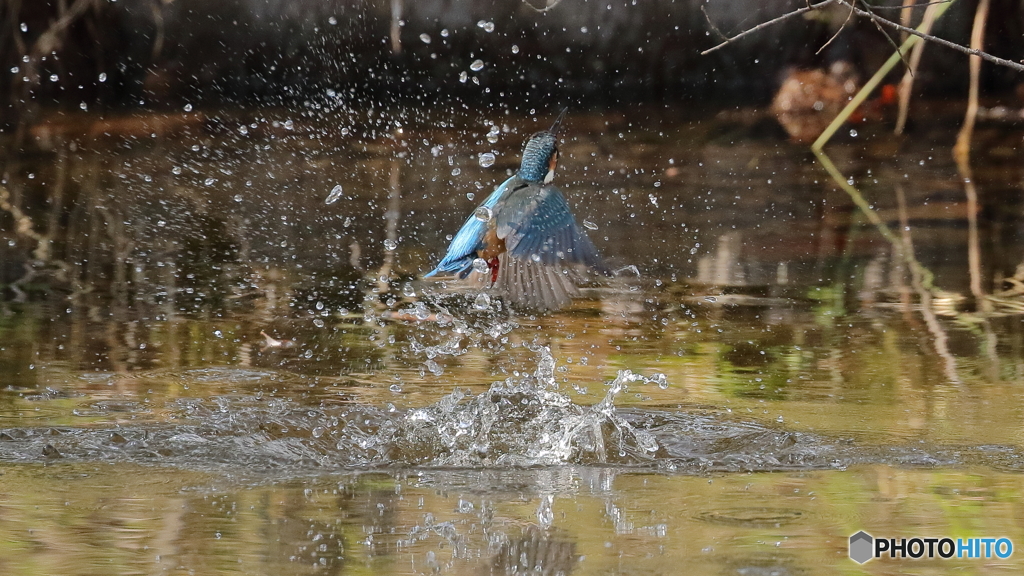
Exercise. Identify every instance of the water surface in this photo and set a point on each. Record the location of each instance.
(206, 367)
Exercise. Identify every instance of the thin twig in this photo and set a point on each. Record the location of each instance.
(971, 51)
(712, 24)
(887, 37)
(911, 7)
(550, 6)
(836, 35)
(771, 22)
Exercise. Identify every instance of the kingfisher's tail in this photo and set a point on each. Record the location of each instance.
(536, 285)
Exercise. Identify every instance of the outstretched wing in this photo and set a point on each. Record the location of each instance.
(536, 224)
(466, 242)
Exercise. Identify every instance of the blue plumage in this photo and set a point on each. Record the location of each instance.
(527, 235)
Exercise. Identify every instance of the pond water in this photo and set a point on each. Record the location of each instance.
(217, 356)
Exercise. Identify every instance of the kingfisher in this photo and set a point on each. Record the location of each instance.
(524, 236)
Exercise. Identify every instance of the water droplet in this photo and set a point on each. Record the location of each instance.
(456, 171)
(390, 244)
(218, 333)
(515, 49)
(188, 107)
(482, 302)
(853, 133)
(103, 76)
(396, 388)
(318, 323)
(408, 291)
(209, 181)
(545, 515)
(243, 130)
(483, 214)
(421, 311)
(589, 225)
(425, 38)
(53, 78)
(492, 134)
(463, 76)
(480, 266)
(477, 65)
(318, 431)
(83, 106)
(487, 26)
(332, 21)
(176, 170)
(334, 195)
(660, 379)
(238, 198)
(24, 27)
(487, 159)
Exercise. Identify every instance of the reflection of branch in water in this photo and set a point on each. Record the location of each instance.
(921, 277)
(926, 275)
(941, 340)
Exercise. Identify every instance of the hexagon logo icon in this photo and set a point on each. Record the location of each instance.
(861, 545)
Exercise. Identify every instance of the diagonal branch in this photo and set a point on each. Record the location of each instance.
(771, 22)
(971, 51)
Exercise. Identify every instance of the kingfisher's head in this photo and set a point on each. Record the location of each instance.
(541, 154)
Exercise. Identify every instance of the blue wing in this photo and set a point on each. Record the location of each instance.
(462, 250)
(537, 225)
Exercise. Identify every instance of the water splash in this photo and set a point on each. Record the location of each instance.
(335, 195)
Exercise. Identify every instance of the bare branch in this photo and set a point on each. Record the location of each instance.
(971, 51)
(771, 22)
(712, 24)
(887, 37)
(836, 35)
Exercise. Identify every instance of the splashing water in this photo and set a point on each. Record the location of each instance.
(483, 214)
(335, 195)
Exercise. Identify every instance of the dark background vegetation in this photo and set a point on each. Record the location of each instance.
(168, 53)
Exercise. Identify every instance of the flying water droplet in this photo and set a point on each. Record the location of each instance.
(463, 76)
(421, 311)
(390, 244)
(545, 515)
(318, 323)
(589, 225)
(482, 302)
(425, 38)
(103, 77)
(492, 134)
(487, 159)
(477, 65)
(483, 214)
(515, 49)
(480, 266)
(487, 26)
(660, 379)
(334, 195)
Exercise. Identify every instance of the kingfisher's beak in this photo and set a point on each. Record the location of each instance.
(558, 121)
